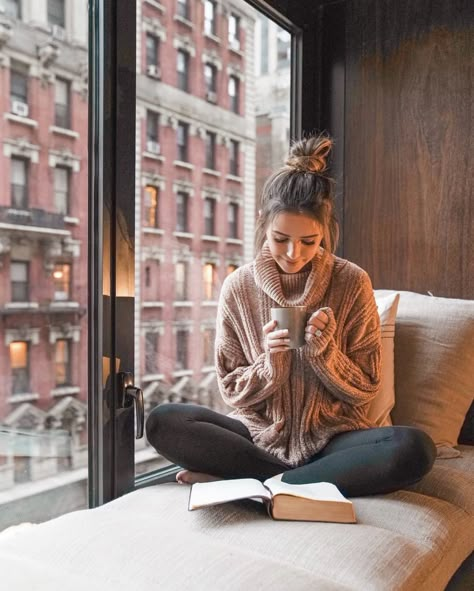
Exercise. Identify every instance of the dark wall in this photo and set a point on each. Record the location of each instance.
(404, 148)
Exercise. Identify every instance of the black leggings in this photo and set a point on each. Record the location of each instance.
(359, 463)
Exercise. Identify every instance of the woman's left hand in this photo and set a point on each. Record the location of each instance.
(316, 324)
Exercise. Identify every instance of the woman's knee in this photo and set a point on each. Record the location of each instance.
(163, 421)
(418, 451)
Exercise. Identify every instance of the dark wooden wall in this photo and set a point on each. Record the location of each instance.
(404, 149)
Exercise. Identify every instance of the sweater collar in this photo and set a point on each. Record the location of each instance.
(268, 278)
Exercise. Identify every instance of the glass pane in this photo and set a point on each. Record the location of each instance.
(209, 170)
(43, 333)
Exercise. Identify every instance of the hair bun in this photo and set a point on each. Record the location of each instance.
(310, 154)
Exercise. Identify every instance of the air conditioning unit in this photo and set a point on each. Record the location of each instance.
(153, 71)
(235, 44)
(58, 33)
(20, 108)
(153, 147)
(211, 96)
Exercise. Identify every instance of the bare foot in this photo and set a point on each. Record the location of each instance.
(189, 477)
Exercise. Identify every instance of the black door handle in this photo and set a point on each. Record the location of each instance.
(129, 395)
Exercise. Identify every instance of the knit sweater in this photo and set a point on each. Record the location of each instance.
(294, 401)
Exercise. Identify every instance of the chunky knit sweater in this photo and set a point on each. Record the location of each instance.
(294, 401)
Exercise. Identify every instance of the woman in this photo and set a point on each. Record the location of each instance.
(300, 412)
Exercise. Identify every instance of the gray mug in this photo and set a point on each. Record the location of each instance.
(294, 319)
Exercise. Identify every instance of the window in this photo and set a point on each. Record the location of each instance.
(182, 67)
(210, 79)
(283, 48)
(233, 89)
(152, 132)
(62, 110)
(151, 206)
(19, 183)
(62, 281)
(233, 217)
(182, 200)
(19, 274)
(210, 150)
(151, 352)
(234, 31)
(209, 216)
(231, 268)
(19, 89)
(13, 8)
(20, 366)
(234, 158)
(182, 9)
(209, 337)
(147, 276)
(56, 14)
(181, 349)
(210, 17)
(62, 360)
(182, 141)
(209, 280)
(61, 189)
(152, 47)
(181, 281)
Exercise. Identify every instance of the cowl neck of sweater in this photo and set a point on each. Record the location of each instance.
(269, 279)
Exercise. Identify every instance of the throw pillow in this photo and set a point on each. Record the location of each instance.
(382, 404)
(434, 360)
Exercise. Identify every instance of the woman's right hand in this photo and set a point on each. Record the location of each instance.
(275, 340)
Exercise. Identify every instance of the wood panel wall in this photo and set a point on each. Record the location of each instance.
(408, 211)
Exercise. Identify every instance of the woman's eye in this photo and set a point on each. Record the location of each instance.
(308, 243)
(280, 239)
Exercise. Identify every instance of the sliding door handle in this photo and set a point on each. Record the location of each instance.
(129, 395)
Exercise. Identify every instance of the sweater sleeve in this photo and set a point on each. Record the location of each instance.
(243, 383)
(353, 376)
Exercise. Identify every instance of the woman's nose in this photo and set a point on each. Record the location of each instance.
(293, 251)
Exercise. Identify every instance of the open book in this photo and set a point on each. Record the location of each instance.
(321, 501)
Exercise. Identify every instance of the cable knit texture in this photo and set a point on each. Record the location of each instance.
(294, 401)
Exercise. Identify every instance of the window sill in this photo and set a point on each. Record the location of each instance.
(181, 373)
(234, 241)
(21, 306)
(26, 397)
(212, 37)
(211, 171)
(153, 377)
(210, 238)
(156, 231)
(65, 391)
(179, 234)
(64, 131)
(153, 305)
(209, 303)
(64, 304)
(71, 220)
(152, 156)
(156, 5)
(183, 304)
(183, 164)
(236, 51)
(23, 120)
(233, 177)
(208, 369)
(183, 21)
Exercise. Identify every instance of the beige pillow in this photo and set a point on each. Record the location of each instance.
(382, 404)
(434, 366)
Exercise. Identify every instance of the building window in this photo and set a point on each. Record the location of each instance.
(209, 281)
(19, 183)
(182, 133)
(62, 281)
(13, 8)
(234, 31)
(62, 109)
(233, 89)
(231, 268)
(181, 349)
(147, 276)
(152, 48)
(233, 217)
(182, 67)
(209, 216)
(209, 337)
(210, 27)
(234, 158)
(19, 89)
(62, 177)
(151, 206)
(20, 366)
(182, 204)
(210, 150)
(151, 352)
(62, 359)
(56, 15)
(19, 274)
(181, 281)
(210, 78)
(182, 9)
(152, 132)
(283, 48)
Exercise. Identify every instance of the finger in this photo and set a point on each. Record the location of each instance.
(269, 326)
(317, 323)
(320, 315)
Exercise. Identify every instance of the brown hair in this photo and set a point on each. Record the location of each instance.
(301, 186)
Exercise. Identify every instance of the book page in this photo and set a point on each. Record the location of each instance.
(223, 491)
(320, 491)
